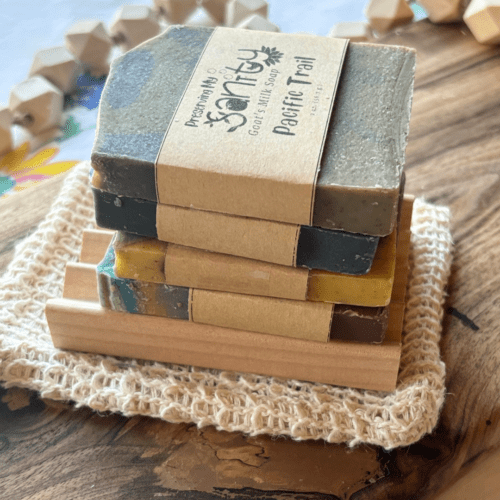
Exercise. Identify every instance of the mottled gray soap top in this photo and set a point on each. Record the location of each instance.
(364, 147)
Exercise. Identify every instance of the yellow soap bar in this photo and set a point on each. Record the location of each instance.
(148, 259)
(140, 258)
(151, 260)
(372, 289)
(375, 288)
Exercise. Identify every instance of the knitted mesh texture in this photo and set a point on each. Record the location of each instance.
(252, 404)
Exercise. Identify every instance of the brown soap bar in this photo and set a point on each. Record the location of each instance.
(361, 324)
(360, 170)
(370, 324)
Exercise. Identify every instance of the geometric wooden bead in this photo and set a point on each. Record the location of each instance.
(444, 11)
(36, 104)
(257, 23)
(354, 31)
(216, 8)
(385, 15)
(483, 19)
(176, 11)
(201, 18)
(5, 131)
(238, 10)
(90, 43)
(133, 24)
(58, 65)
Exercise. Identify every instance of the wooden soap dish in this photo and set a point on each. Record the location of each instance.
(78, 322)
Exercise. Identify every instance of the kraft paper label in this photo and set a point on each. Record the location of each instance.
(289, 318)
(251, 238)
(195, 268)
(248, 134)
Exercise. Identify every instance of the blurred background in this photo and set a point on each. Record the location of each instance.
(29, 25)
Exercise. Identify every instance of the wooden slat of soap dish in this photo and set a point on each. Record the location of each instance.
(94, 245)
(84, 325)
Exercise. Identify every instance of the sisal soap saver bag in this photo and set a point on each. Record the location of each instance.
(252, 404)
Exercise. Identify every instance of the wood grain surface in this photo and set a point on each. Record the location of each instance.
(22, 212)
(53, 450)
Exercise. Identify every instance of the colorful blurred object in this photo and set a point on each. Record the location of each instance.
(19, 170)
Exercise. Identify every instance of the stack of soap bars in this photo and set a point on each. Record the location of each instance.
(335, 283)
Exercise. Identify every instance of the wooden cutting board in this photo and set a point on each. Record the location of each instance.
(49, 449)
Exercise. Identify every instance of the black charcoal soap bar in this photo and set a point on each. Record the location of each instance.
(335, 251)
(360, 171)
(328, 250)
(123, 213)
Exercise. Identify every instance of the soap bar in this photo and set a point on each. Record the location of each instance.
(278, 317)
(370, 324)
(373, 289)
(349, 323)
(361, 164)
(152, 260)
(290, 318)
(360, 324)
(149, 259)
(274, 242)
